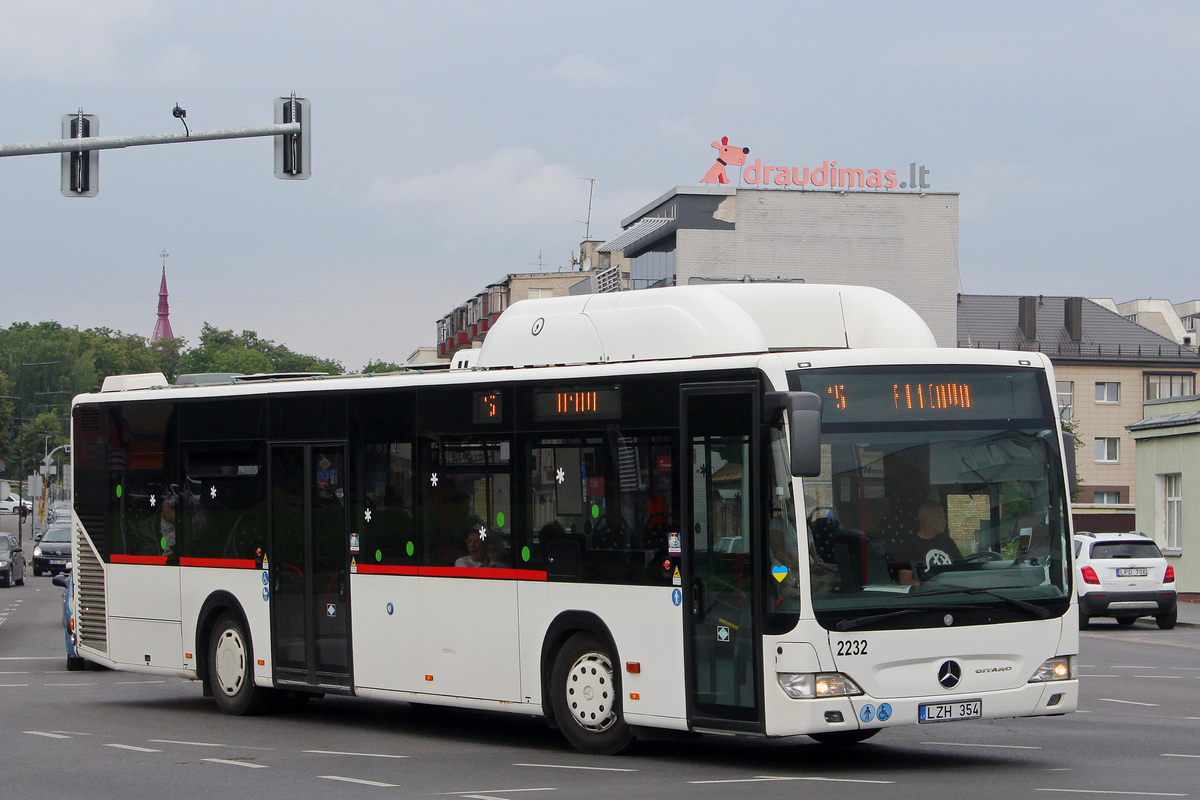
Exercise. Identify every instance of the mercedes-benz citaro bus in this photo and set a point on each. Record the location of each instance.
(769, 510)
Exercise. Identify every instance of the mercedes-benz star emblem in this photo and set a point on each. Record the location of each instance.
(949, 673)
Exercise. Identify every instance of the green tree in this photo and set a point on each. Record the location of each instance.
(225, 351)
(382, 366)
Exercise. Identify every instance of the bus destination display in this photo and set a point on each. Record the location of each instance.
(945, 396)
(488, 407)
(578, 403)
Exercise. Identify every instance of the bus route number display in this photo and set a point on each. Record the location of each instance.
(488, 407)
(953, 396)
(577, 403)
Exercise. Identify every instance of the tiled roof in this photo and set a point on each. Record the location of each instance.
(991, 321)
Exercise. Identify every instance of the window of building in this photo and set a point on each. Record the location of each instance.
(1173, 485)
(1107, 498)
(1130, 317)
(1162, 386)
(1108, 392)
(1189, 323)
(537, 294)
(1108, 449)
(1066, 399)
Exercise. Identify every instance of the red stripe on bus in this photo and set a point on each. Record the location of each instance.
(230, 563)
(385, 569)
(121, 559)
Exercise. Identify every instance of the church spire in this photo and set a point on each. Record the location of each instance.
(162, 330)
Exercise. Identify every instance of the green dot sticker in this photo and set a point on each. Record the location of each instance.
(574, 528)
(499, 519)
(163, 543)
(408, 548)
(697, 527)
(595, 510)
(119, 490)
(525, 553)
(379, 555)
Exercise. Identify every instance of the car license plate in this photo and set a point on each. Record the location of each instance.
(948, 712)
(1132, 572)
(58, 561)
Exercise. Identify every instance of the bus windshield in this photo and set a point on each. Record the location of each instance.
(941, 498)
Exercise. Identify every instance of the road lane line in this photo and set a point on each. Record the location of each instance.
(210, 744)
(1129, 702)
(72, 733)
(1110, 791)
(359, 781)
(343, 753)
(477, 792)
(93, 683)
(134, 748)
(571, 766)
(15, 672)
(1003, 746)
(47, 735)
(1161, 677)
(1179, 755)
(126, 683)
(31, 658)
(236, 763)
(766, 778)
(13, 685)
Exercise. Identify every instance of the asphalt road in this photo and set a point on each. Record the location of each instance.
(103, 734)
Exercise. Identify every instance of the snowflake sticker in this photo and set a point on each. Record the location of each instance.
(367, 515)
(152, 500)
(433, 479)
(212, 492)
(560, 476)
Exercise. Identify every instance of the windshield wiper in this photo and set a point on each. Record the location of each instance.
(1040, 612)
(851, 624)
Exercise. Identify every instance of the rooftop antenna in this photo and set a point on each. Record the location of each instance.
(587, 230)
(540, 263)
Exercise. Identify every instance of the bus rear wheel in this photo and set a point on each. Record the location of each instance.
(587, 698)
(231, 671)
(841, 738)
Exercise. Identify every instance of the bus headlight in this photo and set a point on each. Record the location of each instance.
(1060, 668)
(808, 685)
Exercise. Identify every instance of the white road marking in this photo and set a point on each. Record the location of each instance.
(1109, 791)
(31, 658)
(194, 744)
(571, 766)
(127, 683)
(48, 735)
(1002, 746)
(1162, 677)
(236, 763)
(1126, 666)
(13, 672)
(1179, 755)
(358, 780)
(134, 748)
(478, 792)
(93, 683)
(13, 685)
(1129, 702)
(764, 778)
(72, 733)
(365, 755)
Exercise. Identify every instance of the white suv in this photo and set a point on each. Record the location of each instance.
(1123, 575)
(11, 505)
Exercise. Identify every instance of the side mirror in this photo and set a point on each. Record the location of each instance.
(60, 579)
(803, 413)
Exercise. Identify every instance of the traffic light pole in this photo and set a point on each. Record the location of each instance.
(117, 142)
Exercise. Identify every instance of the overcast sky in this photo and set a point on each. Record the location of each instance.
(449, 138)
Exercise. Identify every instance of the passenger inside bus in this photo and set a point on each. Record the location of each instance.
(479, 549)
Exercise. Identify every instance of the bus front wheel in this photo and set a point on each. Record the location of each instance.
(231, 670)
(586, 697)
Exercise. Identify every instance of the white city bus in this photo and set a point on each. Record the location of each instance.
(687, 508)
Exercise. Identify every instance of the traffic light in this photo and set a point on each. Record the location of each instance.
(80, 168)
(292, 150)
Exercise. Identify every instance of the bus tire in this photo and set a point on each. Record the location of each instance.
(231, 671)
(843, 738)
(586, 696)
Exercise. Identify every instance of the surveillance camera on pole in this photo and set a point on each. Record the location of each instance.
(80, 168)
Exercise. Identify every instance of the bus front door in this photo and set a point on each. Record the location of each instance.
(310, 608)
(722, 637)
